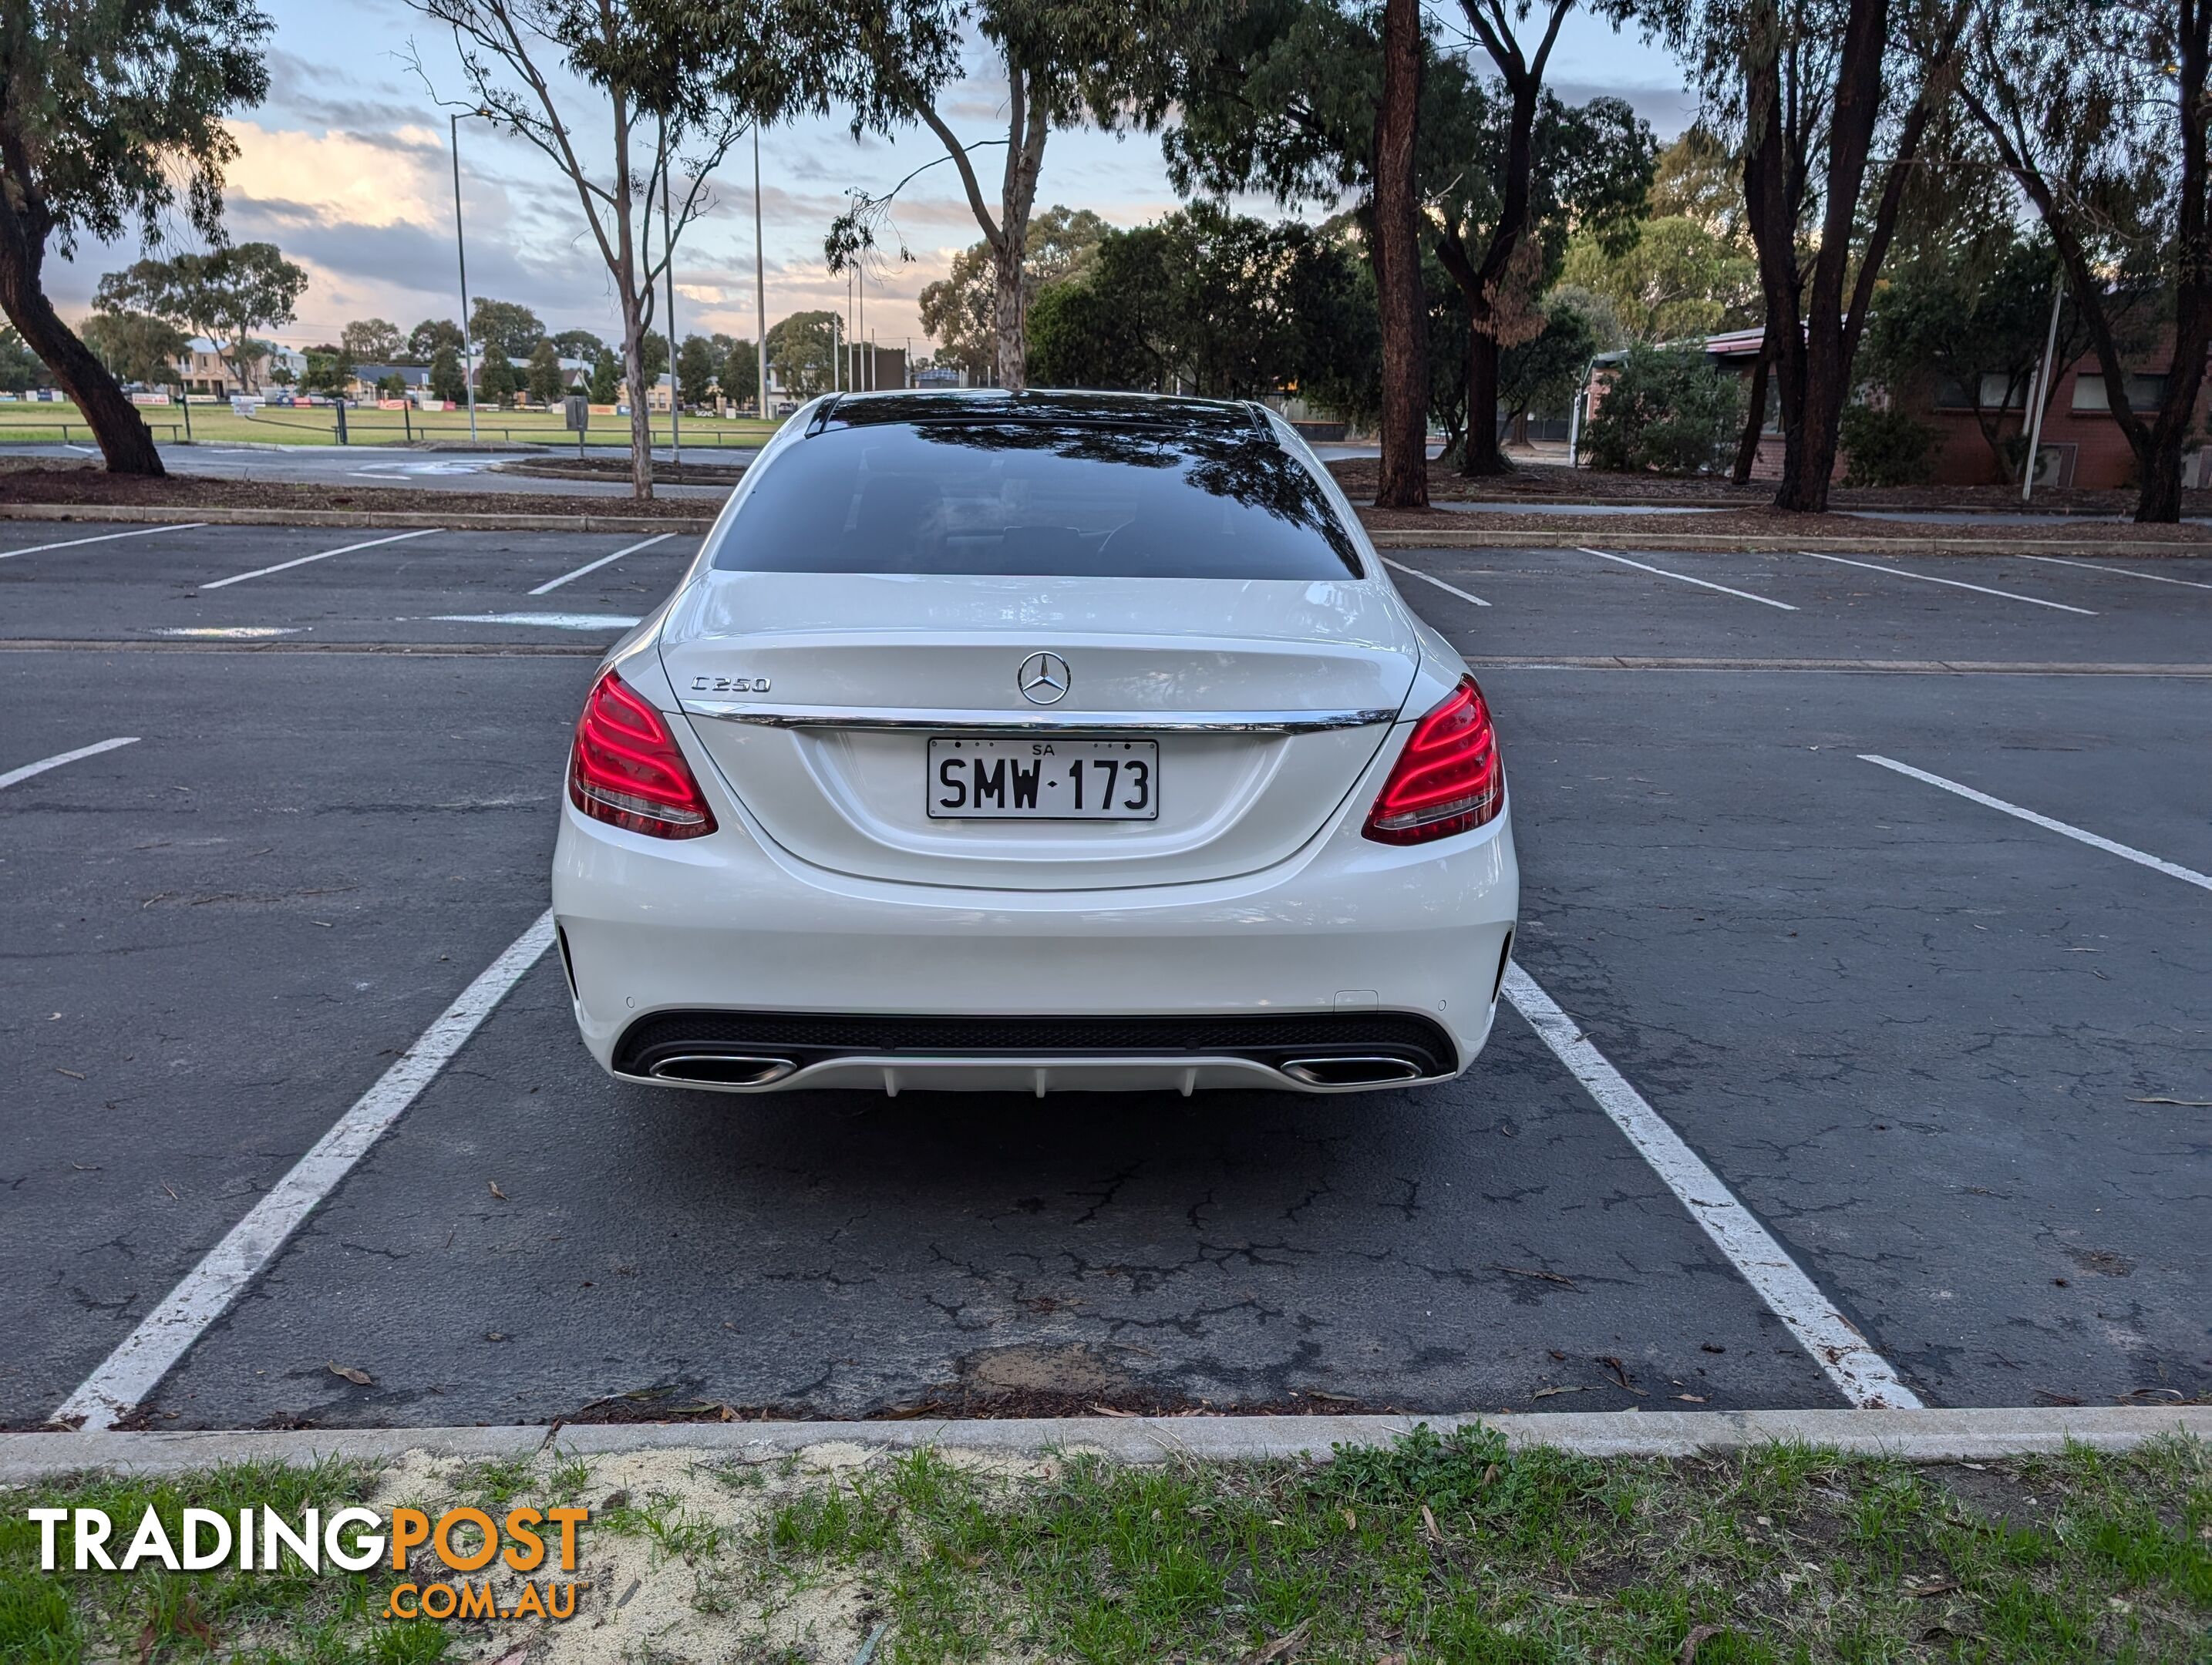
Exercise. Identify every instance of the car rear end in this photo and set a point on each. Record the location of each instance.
(1041, 742)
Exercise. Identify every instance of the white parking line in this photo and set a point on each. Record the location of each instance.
(2125, 572)
(1411, 572)
(1956, 583)
(135, 1369)
(45, 763)
(2125, 851)
(301, 560)
(604, 560)
(104, 538)
(549, 621)
(1868, 1379)
(1684, 578)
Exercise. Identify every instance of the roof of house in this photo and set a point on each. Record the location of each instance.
(414, 375)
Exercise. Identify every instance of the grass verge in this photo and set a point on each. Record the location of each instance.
(1435, 1550)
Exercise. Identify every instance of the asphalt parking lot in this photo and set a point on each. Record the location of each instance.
(1954, 1060)
(450, 467)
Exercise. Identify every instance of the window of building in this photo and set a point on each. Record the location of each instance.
(2144, 392)
(1999, 393)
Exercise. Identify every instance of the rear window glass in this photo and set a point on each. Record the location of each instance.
(1067, 500)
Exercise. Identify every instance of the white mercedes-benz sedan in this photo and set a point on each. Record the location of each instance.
(1035, 741)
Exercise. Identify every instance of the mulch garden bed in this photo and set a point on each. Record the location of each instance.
(1771, 523)
(1547, 482)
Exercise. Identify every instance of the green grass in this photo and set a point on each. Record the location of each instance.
(64, 1617)
(23, 422)
(1786, 1555)
(1451, 1550)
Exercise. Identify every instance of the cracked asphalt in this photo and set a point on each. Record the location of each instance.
(1932, 1047)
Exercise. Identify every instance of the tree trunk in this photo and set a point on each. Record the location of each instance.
(1770, 209)
(1829, 339)
(635, 311)
(125, 442)
(1484, 455)
(1404, 479)
(1028, 121)
(1523, 75)
(2161, 500)
(1008, 325)
(640, 416)
(1754, 423)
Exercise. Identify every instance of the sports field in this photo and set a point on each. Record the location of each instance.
(24, 423)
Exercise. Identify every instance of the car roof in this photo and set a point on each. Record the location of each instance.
(1044, 407)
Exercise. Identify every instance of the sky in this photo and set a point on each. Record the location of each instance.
(348, 168)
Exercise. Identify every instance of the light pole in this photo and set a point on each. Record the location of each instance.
(760, 275)
(668, 264)
(2039, 390)
(460, 249)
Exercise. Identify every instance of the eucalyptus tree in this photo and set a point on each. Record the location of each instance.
(111, 116)
(958, 311)
(1402, 481)
(1535, 171)
(1311, 102)
(1495, 241)
(228, 294)
(136, 346)
(2101, 114)
(1291, 99)
(637, 102)
(1804, 90)
(1064, 62)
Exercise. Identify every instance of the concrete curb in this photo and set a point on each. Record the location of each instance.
(396, 519)
(380, 649)
(278, 447)
(1925, 1436)
(1392, 537)
(1873, 667)
(1385, 537)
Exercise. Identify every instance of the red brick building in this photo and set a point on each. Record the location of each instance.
(2082, 444)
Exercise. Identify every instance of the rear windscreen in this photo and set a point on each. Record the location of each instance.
(1055, 499)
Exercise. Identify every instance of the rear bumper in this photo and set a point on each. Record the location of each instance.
(730, 927)
(1317, 1051)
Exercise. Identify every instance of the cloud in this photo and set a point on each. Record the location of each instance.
(1668, 108)
(364, 176)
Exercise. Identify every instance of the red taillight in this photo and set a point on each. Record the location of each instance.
(625, 769)
(1447, 779)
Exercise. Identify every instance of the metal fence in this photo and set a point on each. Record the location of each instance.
(343, 425)
(43, 429)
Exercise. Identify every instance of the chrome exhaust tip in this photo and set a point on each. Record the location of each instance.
(724, 1069)
(1350, 1071)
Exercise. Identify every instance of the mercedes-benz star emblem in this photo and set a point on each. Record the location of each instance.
(1044, 679)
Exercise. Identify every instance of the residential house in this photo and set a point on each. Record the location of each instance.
(367, 379)
(203, 369)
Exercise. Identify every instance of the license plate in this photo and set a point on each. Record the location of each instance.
(981, 777)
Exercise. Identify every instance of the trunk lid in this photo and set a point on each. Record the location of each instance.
(817, 694)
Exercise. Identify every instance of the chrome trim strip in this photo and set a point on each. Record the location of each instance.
(917, 1068)
(1033, 722)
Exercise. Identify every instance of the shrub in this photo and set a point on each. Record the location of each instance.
(1887, 448)
(1666, 410)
